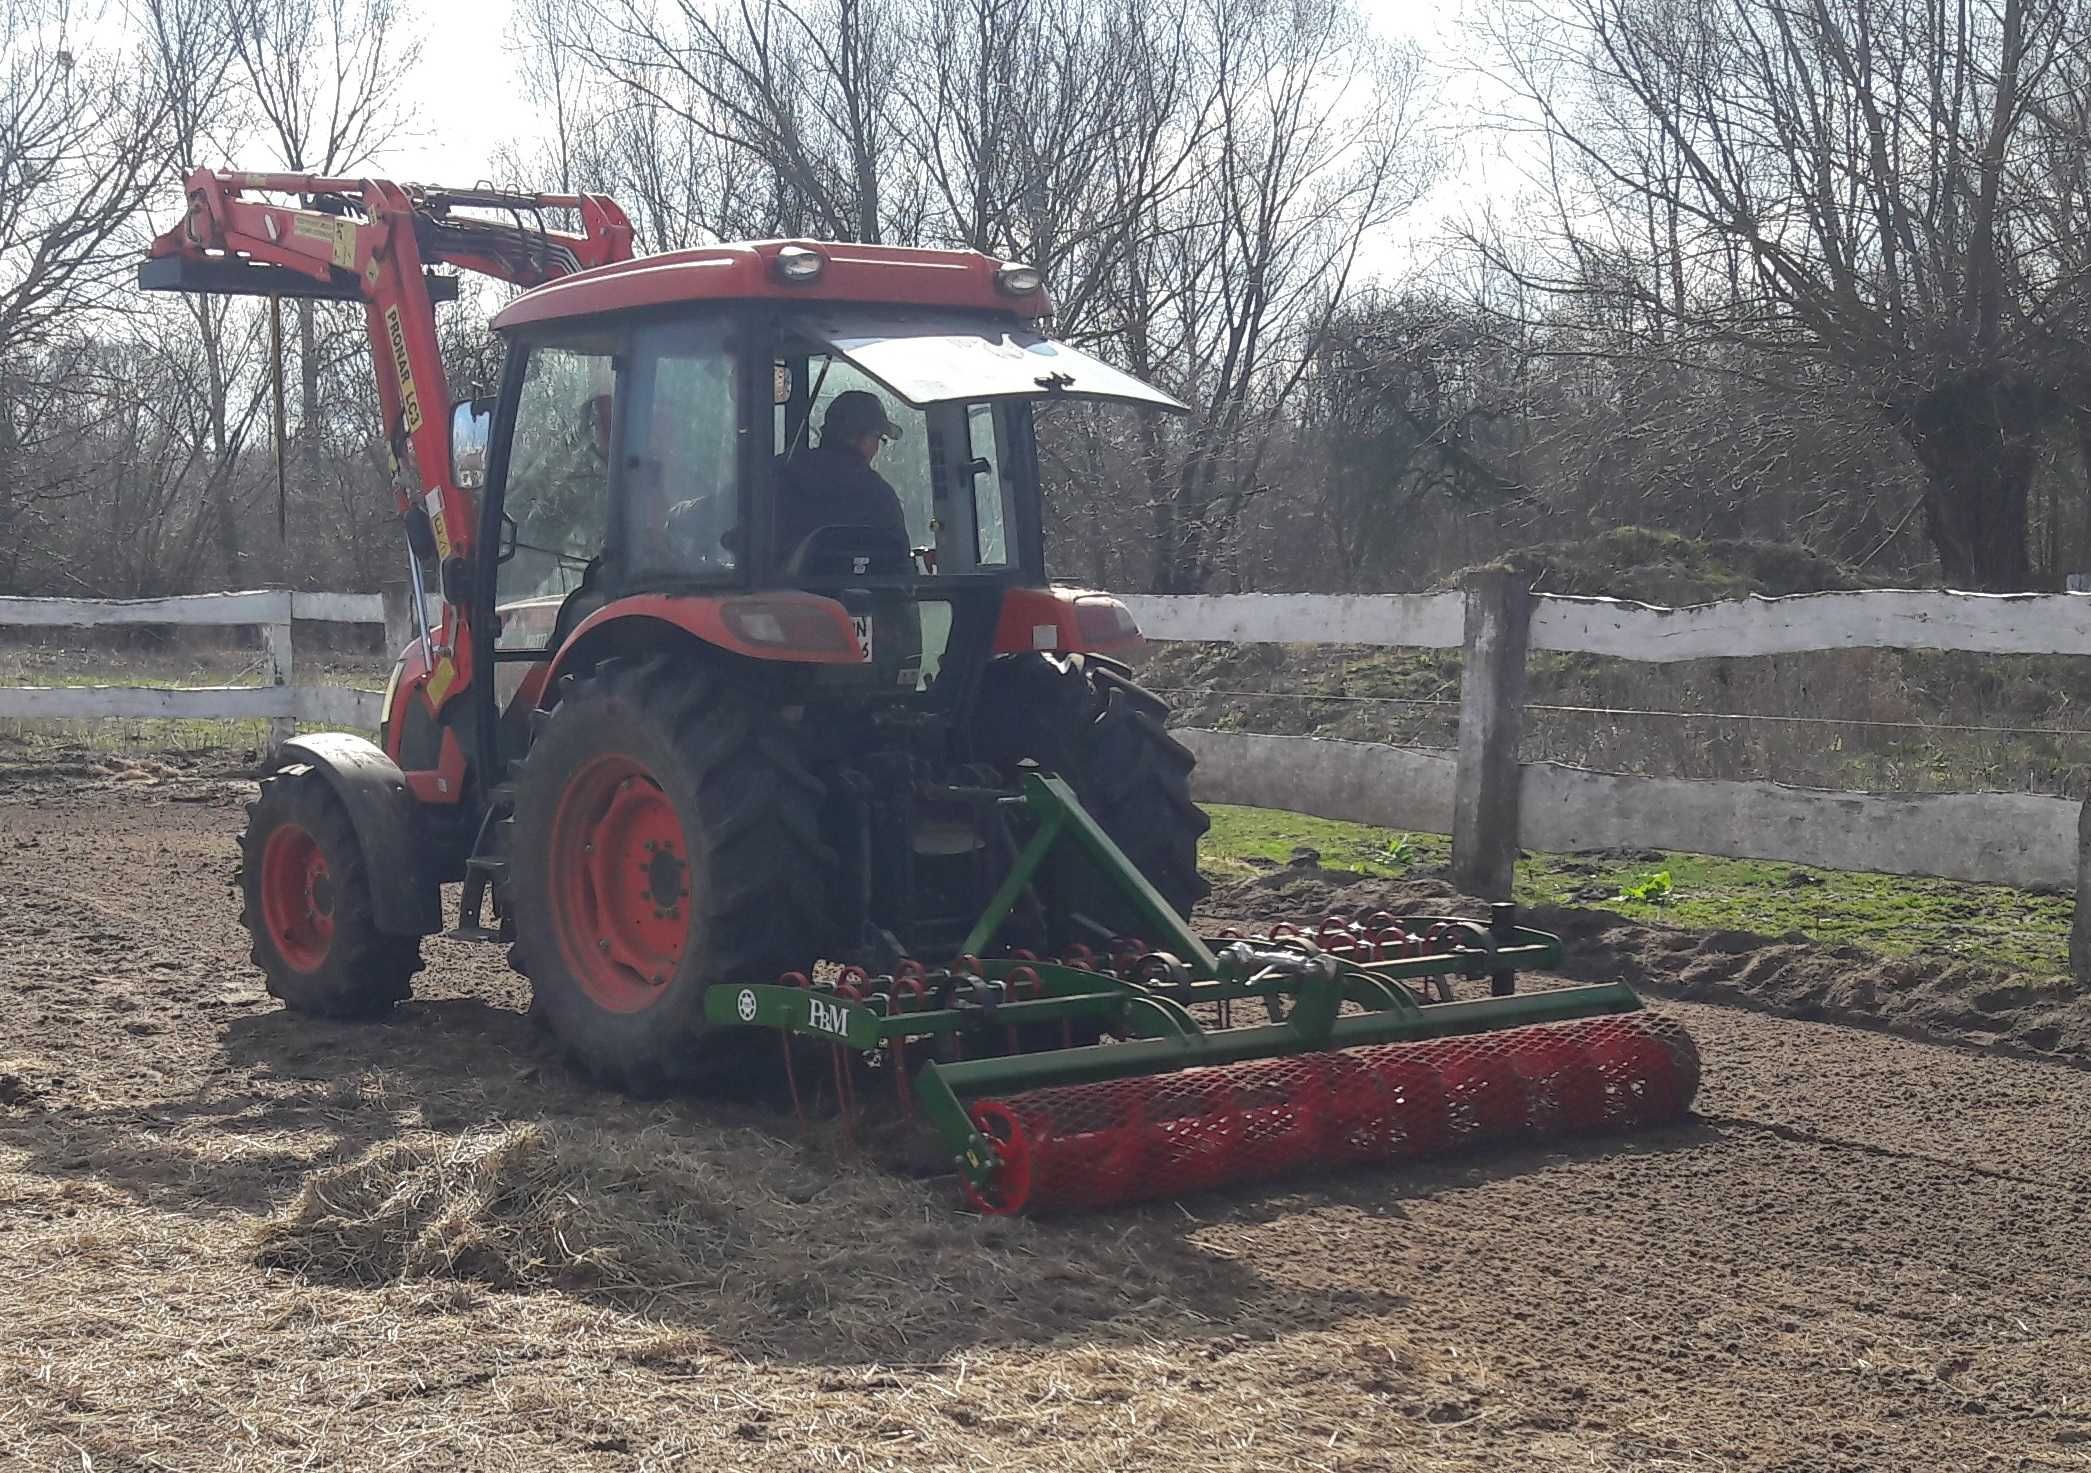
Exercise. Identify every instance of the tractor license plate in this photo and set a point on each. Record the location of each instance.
(863, 627)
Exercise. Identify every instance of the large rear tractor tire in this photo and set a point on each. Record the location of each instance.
(1107, 736)
(666, 838)
(305, 897)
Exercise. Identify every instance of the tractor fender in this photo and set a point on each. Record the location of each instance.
(404, 901)
(780, 625)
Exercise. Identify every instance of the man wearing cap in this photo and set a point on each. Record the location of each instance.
(834, 484)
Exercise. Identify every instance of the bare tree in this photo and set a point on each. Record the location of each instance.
(325, 78)
(1317, 143)
(83, 144)
(1862, 186)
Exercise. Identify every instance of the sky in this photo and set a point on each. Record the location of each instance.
(468, 103)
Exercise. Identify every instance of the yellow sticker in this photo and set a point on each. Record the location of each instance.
(440, 680)
(340, 234)
(433, 501)
(409, 400)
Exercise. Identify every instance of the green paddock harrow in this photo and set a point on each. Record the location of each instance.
(1096, 1078)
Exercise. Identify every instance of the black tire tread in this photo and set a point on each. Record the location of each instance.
(1106, 734)
(366, 970)
(766, 902)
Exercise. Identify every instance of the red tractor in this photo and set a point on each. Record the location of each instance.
(678, 718)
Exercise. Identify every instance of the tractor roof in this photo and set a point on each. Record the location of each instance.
(888, 275)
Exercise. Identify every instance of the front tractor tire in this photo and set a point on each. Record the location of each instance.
(305, 899)
(666, 838)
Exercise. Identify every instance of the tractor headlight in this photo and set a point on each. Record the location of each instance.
(792, 626)
(799, 264)
(1019, 281)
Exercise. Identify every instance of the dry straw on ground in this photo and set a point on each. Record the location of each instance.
(736, 1226)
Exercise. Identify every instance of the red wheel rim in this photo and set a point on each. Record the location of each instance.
(620, 886)
(1011, 1188)
(297, 897)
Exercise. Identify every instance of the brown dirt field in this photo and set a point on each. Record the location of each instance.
(232, 1239)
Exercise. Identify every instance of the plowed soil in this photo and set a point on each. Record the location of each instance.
(235, 1239)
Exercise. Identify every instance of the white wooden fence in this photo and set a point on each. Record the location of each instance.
(1491, 804)
(279, 699)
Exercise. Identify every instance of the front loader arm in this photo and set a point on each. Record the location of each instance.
(373, 241)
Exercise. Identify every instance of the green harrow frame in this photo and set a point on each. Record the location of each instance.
(992, 1093)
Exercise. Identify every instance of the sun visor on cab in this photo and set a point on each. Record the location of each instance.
(933, 358)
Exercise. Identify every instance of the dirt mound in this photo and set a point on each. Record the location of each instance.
(1791, 976)
(724, 1225)
(1663, 568)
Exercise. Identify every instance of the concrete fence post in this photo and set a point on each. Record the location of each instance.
(2080, 920)
(1491, 718)
(399, 615)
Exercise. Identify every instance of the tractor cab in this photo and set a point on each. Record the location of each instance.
(685, 451)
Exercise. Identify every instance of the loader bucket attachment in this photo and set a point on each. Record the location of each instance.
(1366, 1052)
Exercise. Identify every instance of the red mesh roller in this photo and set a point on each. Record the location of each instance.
(1131, 1140)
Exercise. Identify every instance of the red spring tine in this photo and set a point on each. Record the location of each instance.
(791, 1079)
(845, 1096)
(909, 967)
(1382, 920)
(854, 976)
(900, 1078)
(1227, 933)
(1285, 931)
(1022, 954)
(969, 964)
(908, 993)
(1021, 981)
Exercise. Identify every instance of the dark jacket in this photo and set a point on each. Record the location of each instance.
(820, 487)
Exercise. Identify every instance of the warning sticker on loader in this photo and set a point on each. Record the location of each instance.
(862, 624)
(409, 399)
(339, 234)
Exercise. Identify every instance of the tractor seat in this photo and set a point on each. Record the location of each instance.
(587, 597)
(839, 550)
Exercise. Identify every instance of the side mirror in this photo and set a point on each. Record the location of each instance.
(471, 428)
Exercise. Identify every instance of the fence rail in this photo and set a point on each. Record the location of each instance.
(1927, 619)
(1492, 804)
(279, 700)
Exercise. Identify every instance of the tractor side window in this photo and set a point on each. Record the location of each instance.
(558, 488)
(992, 491)
(680, 442)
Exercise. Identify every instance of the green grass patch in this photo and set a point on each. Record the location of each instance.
(1891, 915)
(1240, 835)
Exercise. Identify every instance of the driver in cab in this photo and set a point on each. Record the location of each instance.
(834, 483)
